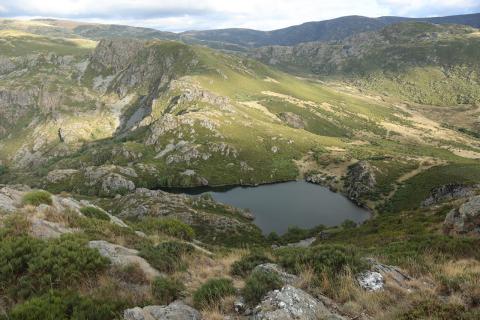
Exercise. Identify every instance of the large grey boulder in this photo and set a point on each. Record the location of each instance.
(292, 303)
(115, 183)
(10, 199)
(175, 311)
(465, 219)
(44, 229)
(122, 256)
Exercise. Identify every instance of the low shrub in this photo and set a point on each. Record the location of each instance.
(29, 265)
(62, 306)
(131, 273)
(168, 226)
(166, 290)
(212, 292)
(36, 198)
(329, 259)
(258, 284)
(93, 212)
(167, 256)
(247, 263)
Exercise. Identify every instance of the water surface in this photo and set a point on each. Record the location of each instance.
(279, 206)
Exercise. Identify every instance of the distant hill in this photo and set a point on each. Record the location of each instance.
(74, 29)
(422, 62)
(328, 30)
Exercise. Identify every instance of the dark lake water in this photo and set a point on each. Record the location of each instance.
(298, 203)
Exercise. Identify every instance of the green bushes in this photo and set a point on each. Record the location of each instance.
(167, 256)
(212, 292)
(93, 212)
(30, 266)
(325, 259)
(166, 290)
(258, 284)
(36, 198)
(245, 265)
(62, 306)
(171, 227)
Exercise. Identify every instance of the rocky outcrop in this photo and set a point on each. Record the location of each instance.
(360, 181)
(174, 311)
(10, 198)
(465, 219)
(292, 303)
(114, 55)
(160, 204)
(450, 192)
(285, 277)
(122, 256)
(56, 176)
(43, 229)
(381, 274)
(115, 183)
(292, 119)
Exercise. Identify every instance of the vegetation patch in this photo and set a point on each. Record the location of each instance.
(166, 290)
(168, 226)
(212, 292)
(94, 212)
(36, 198)
(246, 264)
(258, 284)
(167, 256)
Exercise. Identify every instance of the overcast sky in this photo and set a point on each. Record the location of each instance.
(180, 15)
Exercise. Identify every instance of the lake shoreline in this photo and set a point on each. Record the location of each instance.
(272, 204)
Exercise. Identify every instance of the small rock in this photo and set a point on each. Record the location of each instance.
(371, 281)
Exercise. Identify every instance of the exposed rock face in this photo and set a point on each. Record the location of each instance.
(360, 181)
(465, 219)
(316, 178)
(371, 281)
(115, 183)
(292, 303)
(122, 256)
(450, 192)
(56, 176)
(157, 203)
(114, 54)
(292, 119)
(10, 199)
(285, 277)
(44, 229)
(175, 311)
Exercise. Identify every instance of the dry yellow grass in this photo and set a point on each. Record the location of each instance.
(220, 310)
(202, 268)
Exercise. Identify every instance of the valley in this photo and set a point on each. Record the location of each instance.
(130, 157)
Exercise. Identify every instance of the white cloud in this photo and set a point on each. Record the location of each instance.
(209, 14)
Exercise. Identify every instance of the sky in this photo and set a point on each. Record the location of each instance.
(181, 15)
